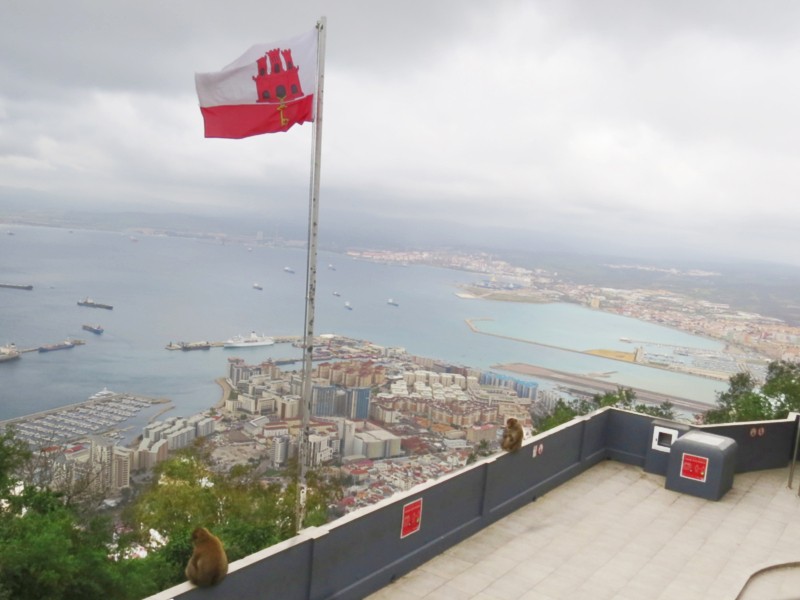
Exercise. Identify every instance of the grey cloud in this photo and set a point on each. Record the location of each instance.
(635, 122)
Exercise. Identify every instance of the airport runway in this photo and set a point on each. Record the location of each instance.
(593, 384)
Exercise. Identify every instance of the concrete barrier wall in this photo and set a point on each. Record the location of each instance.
(369, 552)
(365, 550)
(760, 445)
(628, 437)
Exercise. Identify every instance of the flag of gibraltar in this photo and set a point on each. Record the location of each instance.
(268, 89)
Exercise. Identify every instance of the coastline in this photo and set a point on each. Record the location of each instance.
(226, 392)
(524, 297)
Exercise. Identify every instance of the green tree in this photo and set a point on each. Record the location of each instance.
(48, 549)
(740, 402)
(47, 553)
(623, 398)
(14, 454)
(53, 548)
(782, 387)
(745, 401)
(482, 449)
(246, 514)
(562, 412)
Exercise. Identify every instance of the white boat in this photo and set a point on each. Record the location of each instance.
(240, 341)
(257, 286)
(347, 305)
(8, 352)
(288, 269)
(102, 394)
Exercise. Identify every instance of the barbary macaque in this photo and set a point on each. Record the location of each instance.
(209, 563)
(512, 436)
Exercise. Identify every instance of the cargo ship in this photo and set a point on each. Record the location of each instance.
(66, 344)
(16, 286)
(239, 341)
(9, 352)
(92, 304)
(186, 346)
(98, 329)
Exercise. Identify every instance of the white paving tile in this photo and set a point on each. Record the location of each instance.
(616, 531)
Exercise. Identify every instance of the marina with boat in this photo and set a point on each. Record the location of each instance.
(104, 413)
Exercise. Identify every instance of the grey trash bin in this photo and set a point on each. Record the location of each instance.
(702, 464)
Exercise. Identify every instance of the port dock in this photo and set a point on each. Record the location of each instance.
(204, 345)
(104, 413)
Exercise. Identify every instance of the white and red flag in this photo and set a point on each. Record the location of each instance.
(268, 89)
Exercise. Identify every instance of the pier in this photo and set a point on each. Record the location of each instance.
(74, 342)
(204, 345)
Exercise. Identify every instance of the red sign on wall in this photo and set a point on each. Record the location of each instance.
(412, 518)
(694, 467)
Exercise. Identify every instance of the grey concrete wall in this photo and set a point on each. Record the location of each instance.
(760, 445)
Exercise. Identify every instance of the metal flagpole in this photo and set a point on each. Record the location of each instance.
(311, 275)
(794, 454)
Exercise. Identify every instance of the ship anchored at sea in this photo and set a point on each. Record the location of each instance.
(240, 341)
(65, 345)
(92, 304)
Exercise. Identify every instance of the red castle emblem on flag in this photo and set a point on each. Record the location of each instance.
(277, 81)
(232, 109)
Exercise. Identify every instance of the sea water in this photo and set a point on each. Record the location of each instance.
(170, 289)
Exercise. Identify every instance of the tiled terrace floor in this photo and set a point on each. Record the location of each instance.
(615, 532)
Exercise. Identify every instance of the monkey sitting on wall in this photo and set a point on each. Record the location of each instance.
(209, 563)
(512, 436)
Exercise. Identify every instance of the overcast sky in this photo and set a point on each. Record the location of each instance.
(663, 124)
